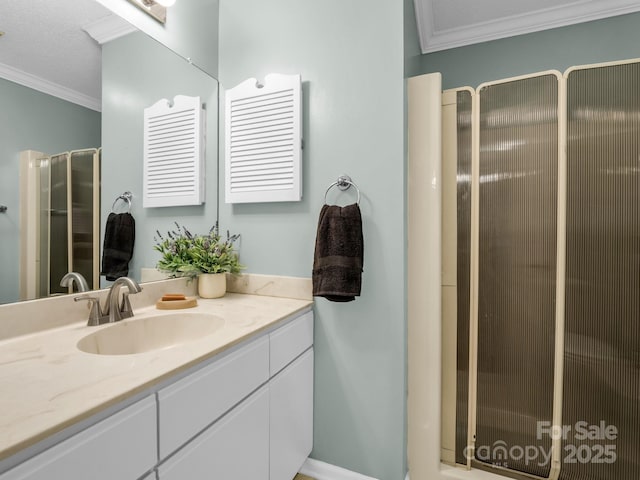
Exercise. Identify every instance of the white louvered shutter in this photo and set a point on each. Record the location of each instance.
(263, 140)
(174, 153)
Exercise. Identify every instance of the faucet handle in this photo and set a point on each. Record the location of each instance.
(95, 315)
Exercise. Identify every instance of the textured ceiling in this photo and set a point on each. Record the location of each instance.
(45, 39)
(444, 24)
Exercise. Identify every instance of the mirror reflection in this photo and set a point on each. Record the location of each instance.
(60, 223)
(95, 101)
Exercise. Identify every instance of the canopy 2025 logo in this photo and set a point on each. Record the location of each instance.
(582, 443)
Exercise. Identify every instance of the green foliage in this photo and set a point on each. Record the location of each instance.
(187, 255)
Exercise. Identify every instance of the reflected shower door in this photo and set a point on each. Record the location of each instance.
(68, 230)
(84, 215)
(602, 326)
(58, 223)
(518, 176)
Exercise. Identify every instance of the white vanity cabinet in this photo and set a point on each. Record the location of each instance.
(122, 446)
(246, 414)
(266, 436)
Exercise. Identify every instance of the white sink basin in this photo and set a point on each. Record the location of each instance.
(150, 333)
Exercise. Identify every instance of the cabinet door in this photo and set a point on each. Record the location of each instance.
(191, 404)
(291, 417)
(236, 447)
(121, 447)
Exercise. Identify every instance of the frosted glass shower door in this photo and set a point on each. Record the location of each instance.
(457, 153)
(554, 332)
(602, 326)
(516, 300)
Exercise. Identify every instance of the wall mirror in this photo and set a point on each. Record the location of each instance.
(127, 74)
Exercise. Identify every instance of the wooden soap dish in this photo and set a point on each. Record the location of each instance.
(188, 302)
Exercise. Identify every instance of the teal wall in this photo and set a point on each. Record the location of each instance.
(32, 120)
(351, 58)
(615, 38)
(412, 52)
(137, 72)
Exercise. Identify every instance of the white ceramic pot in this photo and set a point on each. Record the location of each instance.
(212, 285)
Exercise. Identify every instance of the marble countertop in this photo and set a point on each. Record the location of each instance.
(48, 384)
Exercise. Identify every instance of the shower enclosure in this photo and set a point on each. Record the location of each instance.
(60, 208)
(541, 337)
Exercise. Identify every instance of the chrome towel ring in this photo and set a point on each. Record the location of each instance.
(344, 182)
(126, 196)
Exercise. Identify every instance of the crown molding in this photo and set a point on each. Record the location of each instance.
(433, 40)
(102, 31)
(108, 28)
(50, 88)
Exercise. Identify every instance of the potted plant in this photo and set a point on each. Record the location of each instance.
(208, 257)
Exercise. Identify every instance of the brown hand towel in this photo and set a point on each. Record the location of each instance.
(338, 258)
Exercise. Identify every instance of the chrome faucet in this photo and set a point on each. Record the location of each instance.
(74, 277)
(113, 311)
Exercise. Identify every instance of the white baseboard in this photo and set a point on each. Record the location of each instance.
(325, 471)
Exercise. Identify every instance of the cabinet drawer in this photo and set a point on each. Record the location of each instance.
(194, 402)
(121, 447)
(290, 341)
(235, 448)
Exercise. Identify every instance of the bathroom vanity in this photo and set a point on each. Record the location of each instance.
(242, 410)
